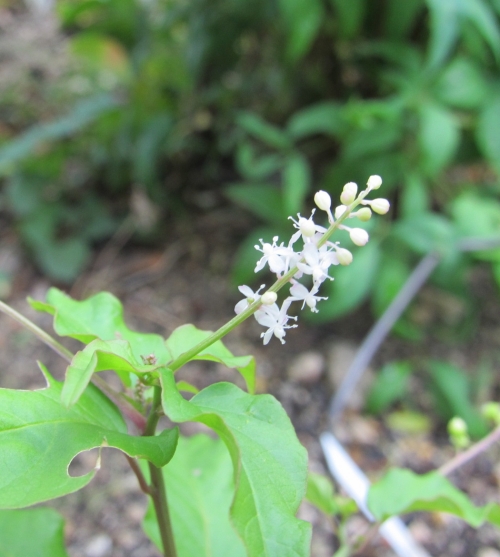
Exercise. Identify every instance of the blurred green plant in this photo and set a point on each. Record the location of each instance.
(296, 93)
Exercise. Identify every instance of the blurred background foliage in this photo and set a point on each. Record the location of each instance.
(259, 103)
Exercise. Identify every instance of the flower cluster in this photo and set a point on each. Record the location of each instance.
(315, 258)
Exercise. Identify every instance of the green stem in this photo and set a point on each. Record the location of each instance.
(40, 333)
(251, 309)
(157, 489)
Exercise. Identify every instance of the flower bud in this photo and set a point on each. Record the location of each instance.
(491, 411)
(344, 256)
(364, 214)
(349, 193)
(339, 211)
(359, 236)
(380, 205)
(457, 426)
(374, 182)
(323, 200)
(269, 298)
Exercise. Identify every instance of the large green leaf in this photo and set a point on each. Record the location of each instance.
(100, 316)
(200, 488)
(39, 438)
(302, 20)
(270, 465)
(32, 533)
(187, 336)
(439, 137)
(402, 491)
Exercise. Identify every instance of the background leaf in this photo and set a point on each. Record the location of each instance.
(402, 491)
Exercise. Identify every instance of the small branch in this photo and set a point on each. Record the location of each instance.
(143, 484)
(40, 333)
(472, 452)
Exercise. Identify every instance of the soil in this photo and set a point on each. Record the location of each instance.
(187, 282)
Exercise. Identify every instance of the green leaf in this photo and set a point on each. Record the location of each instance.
(391, 384)
(349, 15)
(302, 19)
(402, 491)
(351, 286)
(446, 19)
(462, 85)
(451, 389)
(325, 117)
(477, 216)
(187, 336)
(262, 130)
(439, 137)
(39, 439)
(100, 355)
(199, 481)
(254, 167)
(100, 316)
(264, 200)
(400, 17)
(488, 132)
(296, 183)
(320, 493)
(32, 533)
(426, 233)
(81, 115)
(270, 465)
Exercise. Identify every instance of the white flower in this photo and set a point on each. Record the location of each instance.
(250, 298)
(275, 319)
(317, 262)
(299, 292)
(306, 227)
(276, 256)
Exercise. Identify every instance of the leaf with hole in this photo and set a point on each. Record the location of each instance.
(39, 439)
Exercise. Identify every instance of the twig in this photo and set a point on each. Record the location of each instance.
(143, 484)
(472, 452)
(380, 330)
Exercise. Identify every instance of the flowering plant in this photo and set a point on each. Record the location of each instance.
(254, 475)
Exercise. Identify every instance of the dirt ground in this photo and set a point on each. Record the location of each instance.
(187, 282)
